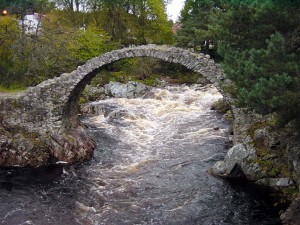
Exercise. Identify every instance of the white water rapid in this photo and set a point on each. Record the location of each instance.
(150, 167)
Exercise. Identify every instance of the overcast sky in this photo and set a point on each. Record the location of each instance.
(174, 8)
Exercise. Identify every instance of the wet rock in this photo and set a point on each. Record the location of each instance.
(118, 114)
(73, 146)
(236, 163)
(202, 80)
(234, 157)
(93, 109)
(292, 215)
(266, 138)
(219, 169)
(83, 208)
(94, 93)
(130, 90)
(24, 148)
(275, 182)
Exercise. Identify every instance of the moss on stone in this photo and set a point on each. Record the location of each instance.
(83, 100)
(290, 192)
(15, 103)
(26, 149)
(273, 163)
(230, 88)
(255, 127)
(221, 106)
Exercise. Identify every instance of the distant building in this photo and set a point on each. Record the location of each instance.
(32, 23)
(176, 27)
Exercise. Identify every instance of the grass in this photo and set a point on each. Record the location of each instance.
(11, 89)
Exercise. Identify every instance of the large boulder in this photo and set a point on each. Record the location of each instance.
(72, 146)
(292, 215)
(131, 89)
(94, 93)
(20, 147)
(255, 153)
(236, 163)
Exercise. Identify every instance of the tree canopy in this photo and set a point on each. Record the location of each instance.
(258, 44)
(72, 31)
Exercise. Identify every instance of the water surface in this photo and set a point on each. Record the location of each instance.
(150, 167)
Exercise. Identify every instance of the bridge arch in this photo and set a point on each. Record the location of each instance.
(199, 63)
(52, 106)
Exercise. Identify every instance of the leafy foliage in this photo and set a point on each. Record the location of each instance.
(9, 31)
(146, 70)
(54, 49)
(71, 32)
(133, 22)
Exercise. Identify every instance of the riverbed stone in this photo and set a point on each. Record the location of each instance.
(236, 163)
(234, 156)
(219, 169)
(94, 93)
(202, 80)
(292, 215)
(266, 138)
(132, 89)
(275, 182)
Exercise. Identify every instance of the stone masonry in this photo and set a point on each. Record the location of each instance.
(52, 106)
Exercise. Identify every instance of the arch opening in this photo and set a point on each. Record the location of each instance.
(198, 63)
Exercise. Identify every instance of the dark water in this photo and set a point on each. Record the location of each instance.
(150, 167)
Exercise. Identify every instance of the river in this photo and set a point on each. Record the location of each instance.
(150, 167)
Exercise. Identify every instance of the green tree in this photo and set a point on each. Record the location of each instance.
(133, 21)
(152, 20)
(58, 47)
(194, 18)
(23, 7)
(267, 78)
(9, 32)
(89, 43)
(258, 43)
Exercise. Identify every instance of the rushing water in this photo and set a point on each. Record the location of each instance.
(150, 167)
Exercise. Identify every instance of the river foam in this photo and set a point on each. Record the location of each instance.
(150, 167)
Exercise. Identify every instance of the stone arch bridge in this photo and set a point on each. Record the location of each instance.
(51, 108)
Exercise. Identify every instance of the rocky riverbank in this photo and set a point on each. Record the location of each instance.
(264, 154)
(20, 147)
